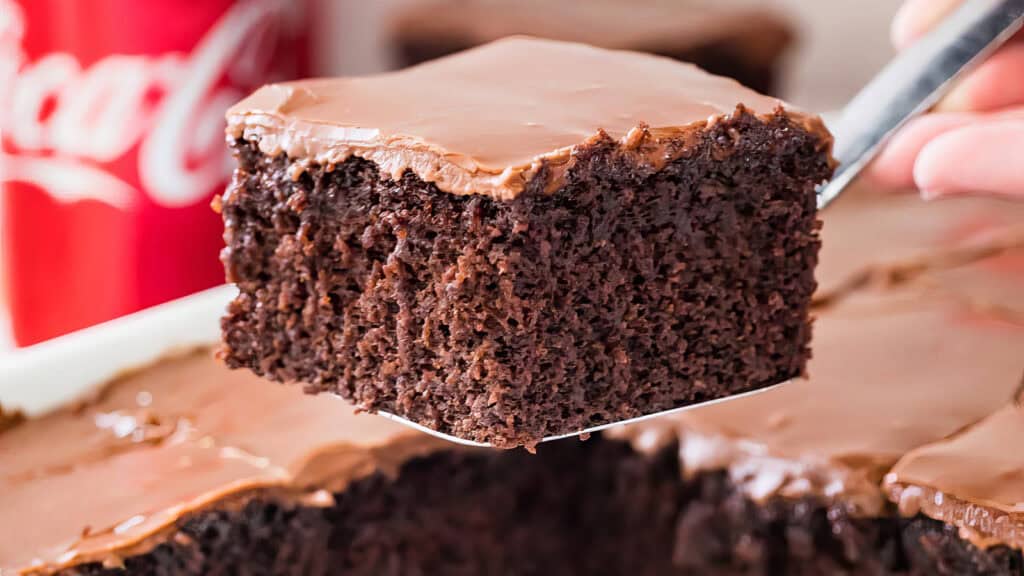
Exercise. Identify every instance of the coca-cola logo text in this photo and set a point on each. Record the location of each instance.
(63, 124)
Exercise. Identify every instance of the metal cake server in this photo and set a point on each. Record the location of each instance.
(915, 81)
(909, 85)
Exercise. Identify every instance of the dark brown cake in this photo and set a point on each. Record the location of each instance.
(187, 468)
(508, 259)
(920, 348)
(447, 515)
(743, 42)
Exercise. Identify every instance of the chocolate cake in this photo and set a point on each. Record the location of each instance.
(794, 476)
(186, 467)
(523, 240)
(973, 482)
(743, 41)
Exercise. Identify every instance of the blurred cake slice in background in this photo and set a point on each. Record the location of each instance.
(973, 483)
(790, 481)
(743, 41)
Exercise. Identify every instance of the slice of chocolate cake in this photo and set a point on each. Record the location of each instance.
(743, 41)
(526, 239)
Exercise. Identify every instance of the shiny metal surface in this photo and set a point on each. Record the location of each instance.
(590, 430)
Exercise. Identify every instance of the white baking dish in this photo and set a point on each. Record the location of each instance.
(43, 377)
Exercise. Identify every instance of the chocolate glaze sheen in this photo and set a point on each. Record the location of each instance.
(98, 482)
(464, 127)
(974, 480)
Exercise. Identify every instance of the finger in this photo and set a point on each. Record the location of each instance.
(894, 166)
(984, 158)
(997, 83)
(916, 17)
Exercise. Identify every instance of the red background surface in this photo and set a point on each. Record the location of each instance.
(72, 264)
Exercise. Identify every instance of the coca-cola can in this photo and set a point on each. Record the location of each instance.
(111, 118)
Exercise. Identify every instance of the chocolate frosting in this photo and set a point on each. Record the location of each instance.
(974, 480)
(105, 479)
(485, 121)
(897, 364)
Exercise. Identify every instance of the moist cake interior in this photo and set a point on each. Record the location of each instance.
(505, 260)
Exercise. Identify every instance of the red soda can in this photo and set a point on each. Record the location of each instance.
(112, 124)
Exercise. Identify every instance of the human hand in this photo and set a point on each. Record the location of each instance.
(973, 142)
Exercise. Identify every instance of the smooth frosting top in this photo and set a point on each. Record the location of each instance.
(635, 24)
(910, 353)
(486, 120)
(974, 480)
(103, 480)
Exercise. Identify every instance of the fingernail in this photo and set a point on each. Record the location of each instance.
(957, 100)
(933, 193)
